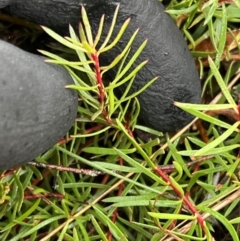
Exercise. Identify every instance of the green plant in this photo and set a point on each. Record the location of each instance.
(166, 188)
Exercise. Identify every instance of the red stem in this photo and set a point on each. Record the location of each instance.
(184, 198)
(238, 107)
(98, 76)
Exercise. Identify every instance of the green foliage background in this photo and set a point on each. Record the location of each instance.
(173, 186)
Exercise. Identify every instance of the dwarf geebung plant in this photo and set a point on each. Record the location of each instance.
(104, 182)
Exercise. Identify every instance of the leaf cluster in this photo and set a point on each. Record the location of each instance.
(181, 186)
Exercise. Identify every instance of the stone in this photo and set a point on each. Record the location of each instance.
(36, 108)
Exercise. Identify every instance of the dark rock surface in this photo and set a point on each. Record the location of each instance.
(167, 51)
(36, 110)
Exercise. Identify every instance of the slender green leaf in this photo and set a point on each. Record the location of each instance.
(217, 141)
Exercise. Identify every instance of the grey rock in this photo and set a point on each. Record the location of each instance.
(4, 3)
(36, 108)
(167, 51)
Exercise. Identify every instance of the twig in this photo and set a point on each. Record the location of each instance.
(171, 167)
(94, 173)
(89, 172)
